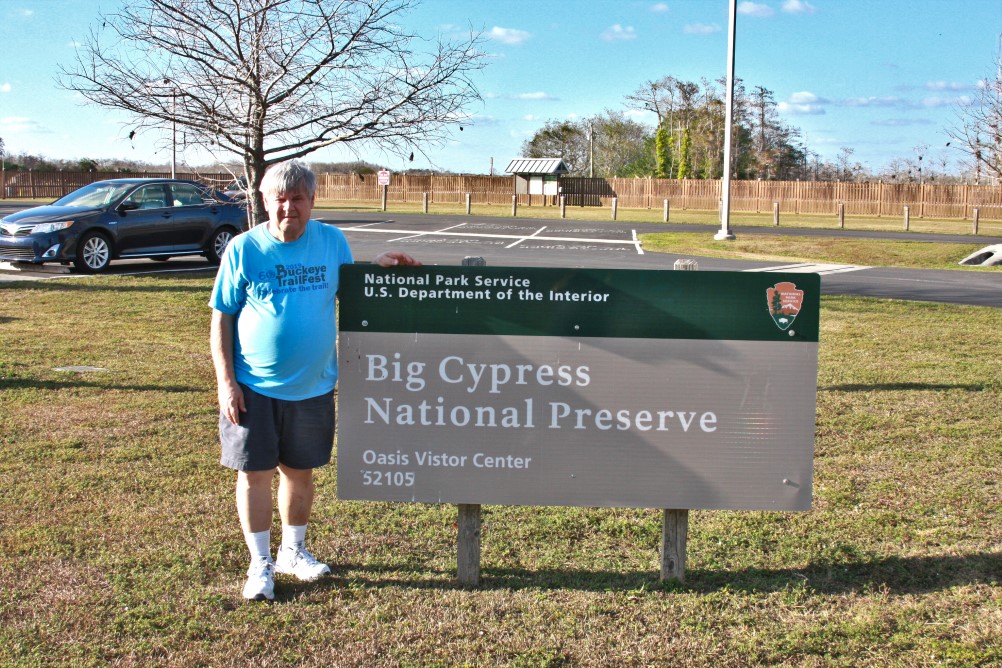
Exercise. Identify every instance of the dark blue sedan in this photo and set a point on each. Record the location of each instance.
(124, 218)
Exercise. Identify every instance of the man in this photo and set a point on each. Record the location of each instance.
(273, 339)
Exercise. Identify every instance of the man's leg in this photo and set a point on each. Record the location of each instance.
(295, 495)
(254, 508)
(295, 502)
(254, 500)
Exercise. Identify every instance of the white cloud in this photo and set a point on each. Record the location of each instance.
(803, 103)
(27, 13)
(508, 35)
(530, 117)
(5, 87)
(484, 121)
(755, 9)
(538, 95)
(17, 124)
(805, 97)
(798, 7)
(873, 101)
(659, 7)
(901, 122)
(800, 109)
(618, 33)
(949, 86)
(701, 29)
(937, 102)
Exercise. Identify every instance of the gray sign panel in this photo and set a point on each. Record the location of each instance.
(601, 421)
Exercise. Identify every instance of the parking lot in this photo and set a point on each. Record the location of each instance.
(438, 239)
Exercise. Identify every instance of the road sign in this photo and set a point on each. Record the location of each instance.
(384, 177)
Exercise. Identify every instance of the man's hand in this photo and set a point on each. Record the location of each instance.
(231, 402)
(396, 259)
(231, 397)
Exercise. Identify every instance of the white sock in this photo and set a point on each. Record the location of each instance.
(293, 535)
(259, 544)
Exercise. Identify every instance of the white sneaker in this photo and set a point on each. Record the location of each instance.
(297, 560)
(260, 585)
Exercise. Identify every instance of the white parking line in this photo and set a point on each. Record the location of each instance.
(378, 222)
(636, 243)
(531, 236)
(423, 234)
(411, 234)
(809, 268)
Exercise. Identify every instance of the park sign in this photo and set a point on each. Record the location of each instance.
(577, 387)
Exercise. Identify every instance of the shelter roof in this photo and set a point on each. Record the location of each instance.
(537, 166)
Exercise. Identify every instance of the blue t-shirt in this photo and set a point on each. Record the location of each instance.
(283, 296)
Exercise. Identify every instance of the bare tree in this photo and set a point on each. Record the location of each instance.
(271, 80)
(622, 146)
(657, 96)
(978, 132)
(560, 139)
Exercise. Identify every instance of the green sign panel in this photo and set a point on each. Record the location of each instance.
(577, 387)
(581, 302)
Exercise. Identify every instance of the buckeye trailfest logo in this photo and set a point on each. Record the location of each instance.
(784, 301)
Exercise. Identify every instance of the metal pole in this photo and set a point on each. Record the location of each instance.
(591, 151)
(173, 143)
(725, 209)
(173, 127)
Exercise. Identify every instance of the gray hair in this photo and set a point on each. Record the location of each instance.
(287, 177)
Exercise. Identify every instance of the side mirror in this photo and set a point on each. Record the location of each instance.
(127, 206)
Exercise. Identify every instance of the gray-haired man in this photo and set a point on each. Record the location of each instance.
(273, 339)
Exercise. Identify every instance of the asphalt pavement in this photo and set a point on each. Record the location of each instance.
(516, 242)
(447, 239)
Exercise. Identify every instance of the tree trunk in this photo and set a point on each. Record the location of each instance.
(254, 166)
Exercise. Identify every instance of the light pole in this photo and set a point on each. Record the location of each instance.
(173, 128)
(725, 204)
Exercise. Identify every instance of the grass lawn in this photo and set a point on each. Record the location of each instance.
(776, 248)
(121, 545)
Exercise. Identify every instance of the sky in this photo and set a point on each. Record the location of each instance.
(884, 78)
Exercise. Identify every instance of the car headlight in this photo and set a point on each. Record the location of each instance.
(44, 228)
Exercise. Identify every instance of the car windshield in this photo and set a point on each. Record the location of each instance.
(94, 195)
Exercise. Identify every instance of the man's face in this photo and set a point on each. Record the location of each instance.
(288, 213)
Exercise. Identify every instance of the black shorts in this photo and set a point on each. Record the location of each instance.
(297, 434)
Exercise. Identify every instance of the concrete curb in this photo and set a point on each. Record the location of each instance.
(34, 268)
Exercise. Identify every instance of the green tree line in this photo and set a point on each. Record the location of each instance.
(687, 139)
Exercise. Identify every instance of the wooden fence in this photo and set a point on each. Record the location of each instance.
(808, 197)
(31, 184)
(950, 201)
(411, 188)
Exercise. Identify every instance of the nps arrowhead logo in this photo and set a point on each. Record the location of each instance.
(784, 301)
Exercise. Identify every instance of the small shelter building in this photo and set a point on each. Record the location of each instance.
(537, 176)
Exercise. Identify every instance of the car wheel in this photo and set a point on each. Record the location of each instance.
(217, 244)
(93, 253)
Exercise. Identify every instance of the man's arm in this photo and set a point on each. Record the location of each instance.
(231, 397)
